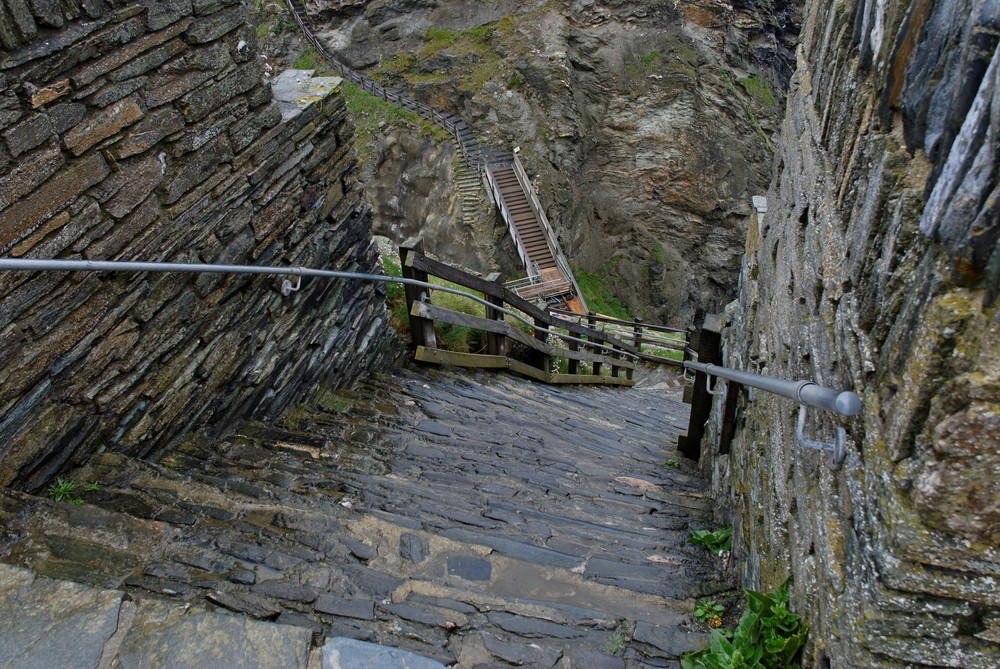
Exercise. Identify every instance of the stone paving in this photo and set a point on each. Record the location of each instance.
(477, 520)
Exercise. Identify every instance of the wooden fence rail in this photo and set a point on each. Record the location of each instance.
(639, 334)
(582, 344)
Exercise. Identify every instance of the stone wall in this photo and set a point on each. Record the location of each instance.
(876, 268)
(147, 131)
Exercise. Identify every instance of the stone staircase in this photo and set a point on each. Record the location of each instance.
(477, 520)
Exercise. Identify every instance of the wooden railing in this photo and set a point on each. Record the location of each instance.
(670, 343)
(579, 345)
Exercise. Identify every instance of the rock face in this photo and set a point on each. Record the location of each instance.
(645, 143)
(876, 268)
(148, 132)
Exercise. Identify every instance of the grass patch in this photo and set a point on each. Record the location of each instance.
(760, 90)
(449, 337)
(597, 294)
(747, 108)
(648, 59)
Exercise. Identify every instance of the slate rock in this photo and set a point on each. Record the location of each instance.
(362, 609)
(529, 654)
(169, 635)
(49, 623)
(28, 134)
(413, 547)
(671, 640)
(469, 567)
(343, 653)
(360, 550)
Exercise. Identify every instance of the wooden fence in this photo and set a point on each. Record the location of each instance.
(599, 350)
(639, 334)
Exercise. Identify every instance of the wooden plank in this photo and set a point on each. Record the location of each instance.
(457, 359)
(433, 312)
(528, 370)
(591, 378)
(420, 262)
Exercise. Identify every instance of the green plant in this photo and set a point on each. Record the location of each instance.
(768, 636)
(649, 58)
(617, 644)
(672, 463)
(707, 609)
(62, 490)
(714, 540)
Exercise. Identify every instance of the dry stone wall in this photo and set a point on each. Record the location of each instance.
(147, 131)
(875, 267)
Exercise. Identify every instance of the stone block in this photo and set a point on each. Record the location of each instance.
(165, 87)
(64, 116)
(21, 20)
(143, 176)
(204, 7)
(162, 13)
(209, 98)
(362, 609)
(28, 134)
(215, 124)
(191, 172)
(111, 245)
(345, 653)
(102, 125)
(10, 108)
(49, 623)
(28, 174)
(148, 132)
(213, 26)
(98, 38)
(133, 50)
(43, 96)
(50, 198)
(146, 62)
(48, 13)
(111, 93)
(171, 635)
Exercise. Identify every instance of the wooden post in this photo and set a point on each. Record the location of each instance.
(728, 429)
(574, 365)
(421, 329)
(637, 337)
(591, 323)
(544, 361)
(496, 343)
(710, 351)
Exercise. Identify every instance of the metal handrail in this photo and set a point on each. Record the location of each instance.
(287, 287)
(809, 393)
(806, 393)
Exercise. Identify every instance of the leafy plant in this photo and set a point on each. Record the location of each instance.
(707, 609)
(714, 540)
(617, 644)
(768, 636)
(672, 463)
(62, 490)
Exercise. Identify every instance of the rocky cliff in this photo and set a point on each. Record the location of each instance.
(148, 131)
(645, 125)
(877, 267)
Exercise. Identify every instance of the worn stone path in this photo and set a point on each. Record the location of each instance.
(479, 520)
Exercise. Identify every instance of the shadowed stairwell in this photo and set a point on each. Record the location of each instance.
(470, 517)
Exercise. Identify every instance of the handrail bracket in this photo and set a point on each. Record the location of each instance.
(837, 449)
